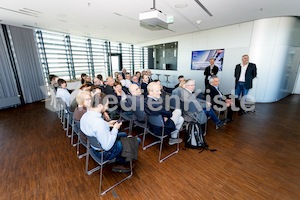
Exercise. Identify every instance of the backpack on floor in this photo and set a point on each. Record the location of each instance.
(194, 137)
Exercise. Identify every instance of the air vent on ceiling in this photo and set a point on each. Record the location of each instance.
(203, 7)
(28, 26)
(30, 12)
(24, 12)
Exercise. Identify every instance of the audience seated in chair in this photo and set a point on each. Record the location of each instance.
(108, 89)
(177, 90)
(62, 92)
(145, 81)
(125, 83)
(53, 81)
(134, 102)
(83, 100)
(97, 91)
(154, 106)
(75, 92)
(217, 98)
(73, 103)
(180, 79)
(138, 74)
(191, 106)
(190, 96)
(121, 96)
(149, 74)
(135, 80)
(92, 124)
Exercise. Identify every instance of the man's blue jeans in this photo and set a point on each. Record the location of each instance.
(241, 89)
(212, 114)
(115, 151)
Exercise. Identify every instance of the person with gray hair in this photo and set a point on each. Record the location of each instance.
(154, 106)
(192, 107)
(217, 98)
(190, 96)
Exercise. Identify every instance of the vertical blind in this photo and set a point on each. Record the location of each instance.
(68, 56)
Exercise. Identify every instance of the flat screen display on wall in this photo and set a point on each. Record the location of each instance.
(200, 59)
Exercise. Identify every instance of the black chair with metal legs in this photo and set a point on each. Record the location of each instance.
(138, 119)
(92, 141)
(157, 121)
(129, 119)
(81, 140)
(75, 131)
(70, 123)
(64, 115)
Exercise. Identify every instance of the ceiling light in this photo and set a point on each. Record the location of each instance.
(199, 21)
(181, 5)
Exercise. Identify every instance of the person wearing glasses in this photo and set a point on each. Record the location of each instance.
(201, 109)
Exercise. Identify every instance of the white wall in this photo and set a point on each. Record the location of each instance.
(273, 44)
(297, 84)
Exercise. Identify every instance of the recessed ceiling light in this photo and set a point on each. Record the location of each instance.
(102, 27)
(198, 21)
(181, 5)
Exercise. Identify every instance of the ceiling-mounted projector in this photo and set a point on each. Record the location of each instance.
(155, 20)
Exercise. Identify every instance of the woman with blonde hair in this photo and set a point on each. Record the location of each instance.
(83, 100)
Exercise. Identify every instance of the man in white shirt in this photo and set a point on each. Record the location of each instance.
(92, 124)
(244, 74)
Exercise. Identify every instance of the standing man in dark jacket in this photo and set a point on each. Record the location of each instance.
(210, 70)
(244, 74)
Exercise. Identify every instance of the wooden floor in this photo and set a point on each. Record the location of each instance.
(257, 157)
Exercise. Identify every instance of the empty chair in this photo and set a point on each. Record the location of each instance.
(158, 122)
(92, 141)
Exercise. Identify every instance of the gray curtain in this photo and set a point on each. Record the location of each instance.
(8, 87)
(28, 64)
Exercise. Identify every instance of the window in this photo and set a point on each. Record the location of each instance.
(68, 56)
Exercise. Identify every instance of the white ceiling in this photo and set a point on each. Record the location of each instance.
(118, 20)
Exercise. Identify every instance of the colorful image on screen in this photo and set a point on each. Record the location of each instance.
(200, 59)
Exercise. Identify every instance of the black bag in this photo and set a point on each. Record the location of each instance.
(195, 138)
